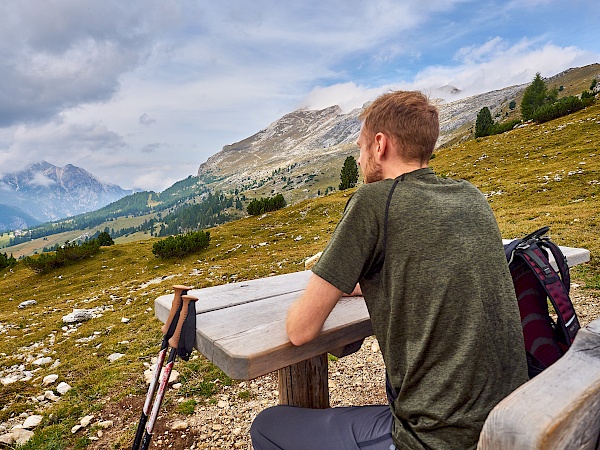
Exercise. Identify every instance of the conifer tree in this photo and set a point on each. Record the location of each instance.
(349, 174)
(484, 123)
(535, 96)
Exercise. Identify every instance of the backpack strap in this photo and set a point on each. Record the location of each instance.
(538, 262)
(560, 259)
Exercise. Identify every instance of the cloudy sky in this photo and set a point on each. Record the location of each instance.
(139, 93)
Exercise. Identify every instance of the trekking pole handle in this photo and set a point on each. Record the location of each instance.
(179, 291)
(174, 341)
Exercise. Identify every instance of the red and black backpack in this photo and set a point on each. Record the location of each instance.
(536, 281)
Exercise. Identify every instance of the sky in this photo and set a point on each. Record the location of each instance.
(140, 93)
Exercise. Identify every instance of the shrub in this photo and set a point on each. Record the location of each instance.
(181, 245)
(264, 205)
(69, 252)
(7, 261)
(104, 239)
(564, 106)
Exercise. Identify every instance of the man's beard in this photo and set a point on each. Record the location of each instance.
(372, 171)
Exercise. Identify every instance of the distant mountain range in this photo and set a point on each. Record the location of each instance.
(43, 192)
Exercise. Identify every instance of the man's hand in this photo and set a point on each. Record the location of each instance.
(307, 315)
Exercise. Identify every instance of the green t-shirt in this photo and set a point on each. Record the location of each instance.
(441, 301)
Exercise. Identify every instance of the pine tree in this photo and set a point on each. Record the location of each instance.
(535, 96)
(484, 123)
(349, 174)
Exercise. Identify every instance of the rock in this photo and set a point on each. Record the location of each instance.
(76, 428)
(21, 435)
(26, 303)
(173, 378)
(32, 421)
(7, 439)
(63, 388)
(49, 379)
(222, 404)
(78, 315)
(179, 425)
(85, 421)
(42, 361)
(105, 424)
(49, 395)
(125, 320)
(115, 356)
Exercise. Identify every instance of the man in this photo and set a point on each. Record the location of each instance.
(427, 254)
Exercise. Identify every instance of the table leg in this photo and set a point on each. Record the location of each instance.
(305, 383)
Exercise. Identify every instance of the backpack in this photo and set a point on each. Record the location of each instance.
(535, 281)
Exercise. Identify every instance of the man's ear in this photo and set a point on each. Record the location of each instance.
(382, 145)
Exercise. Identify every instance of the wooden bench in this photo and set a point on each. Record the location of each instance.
(558, 409)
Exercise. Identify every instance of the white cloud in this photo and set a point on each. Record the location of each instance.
(40, 179)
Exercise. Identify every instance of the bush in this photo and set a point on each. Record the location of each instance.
(67, 253)
(7, 261)
(503, 127)
(263, 205)
(561, 108)
(104, 239)
(181, 245)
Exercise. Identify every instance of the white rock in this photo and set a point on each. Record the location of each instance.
(85, 421)
(105, 424)
(63, 388)
(76, 428)
(179, 425)
(78, 315)
(115, 356)
(42, 361)
(125, 319)
(222, 404)
(49, 379)
(375, 347)
(49, 395)
(173, 378)
(21, 436)
(26, 303)
(7, 439)
(32, 421)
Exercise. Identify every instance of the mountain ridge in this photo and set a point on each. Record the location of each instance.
(47, 192)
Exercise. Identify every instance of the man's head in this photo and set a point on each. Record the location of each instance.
(409, 122)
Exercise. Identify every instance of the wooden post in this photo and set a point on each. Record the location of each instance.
(305, 383)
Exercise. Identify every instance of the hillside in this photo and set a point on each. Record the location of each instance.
(300, 156)
(533, 176)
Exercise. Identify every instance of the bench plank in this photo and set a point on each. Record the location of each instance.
(558, 409)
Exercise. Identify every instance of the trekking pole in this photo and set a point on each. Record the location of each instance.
(167, 330)
(188, 309)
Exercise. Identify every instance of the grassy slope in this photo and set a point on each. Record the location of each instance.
(514, 164)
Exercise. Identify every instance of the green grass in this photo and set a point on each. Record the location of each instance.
(538, 172)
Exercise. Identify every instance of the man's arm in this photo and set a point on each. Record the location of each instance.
(307, 315)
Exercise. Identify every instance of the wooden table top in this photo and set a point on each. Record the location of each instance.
(240, 327)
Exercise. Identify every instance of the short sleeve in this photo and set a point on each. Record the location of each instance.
(354, 247)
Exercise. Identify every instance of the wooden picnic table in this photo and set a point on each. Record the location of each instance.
(240, 327)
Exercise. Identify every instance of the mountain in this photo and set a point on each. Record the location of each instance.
(47, 192)
(301, 154)
(12, 218)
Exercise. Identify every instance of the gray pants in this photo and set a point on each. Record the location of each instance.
(345, 428)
